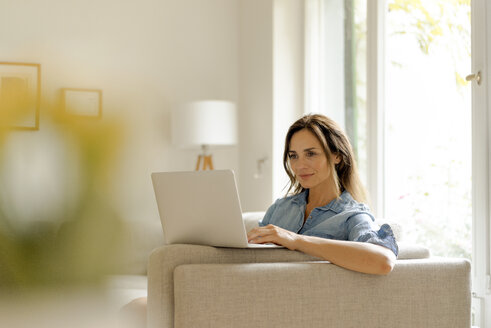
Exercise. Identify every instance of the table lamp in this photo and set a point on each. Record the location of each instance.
(203, 124)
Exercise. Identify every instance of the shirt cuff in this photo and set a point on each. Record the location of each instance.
(384, 237)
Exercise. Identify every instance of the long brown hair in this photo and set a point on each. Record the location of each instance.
(333, 141)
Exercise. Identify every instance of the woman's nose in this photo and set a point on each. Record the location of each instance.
(300, 162)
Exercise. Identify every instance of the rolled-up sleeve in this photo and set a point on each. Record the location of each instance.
(361, 228)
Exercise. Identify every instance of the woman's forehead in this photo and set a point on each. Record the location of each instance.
(304, 139)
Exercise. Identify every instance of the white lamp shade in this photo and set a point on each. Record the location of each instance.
(207, 122)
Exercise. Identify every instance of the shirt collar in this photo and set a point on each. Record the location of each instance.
(301, 198)
(338, 205)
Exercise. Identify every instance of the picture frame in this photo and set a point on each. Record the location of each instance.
(83, 103)
(20, 94)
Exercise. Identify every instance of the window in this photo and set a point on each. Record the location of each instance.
(428, 123)
(335, 74)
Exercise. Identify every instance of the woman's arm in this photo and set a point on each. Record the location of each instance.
(356, 256)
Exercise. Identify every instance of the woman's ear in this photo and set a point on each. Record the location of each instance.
(336, 158)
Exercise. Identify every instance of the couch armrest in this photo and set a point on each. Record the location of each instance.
(418, 293)
(165, 259)
(409, 251)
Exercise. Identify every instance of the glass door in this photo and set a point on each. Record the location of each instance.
(436, 137)
(428, 128)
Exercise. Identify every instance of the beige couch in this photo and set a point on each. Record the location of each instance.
(202, 286)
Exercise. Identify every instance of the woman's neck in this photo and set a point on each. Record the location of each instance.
(321, 196)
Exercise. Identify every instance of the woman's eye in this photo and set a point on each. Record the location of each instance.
(310, 154)
(292, 156)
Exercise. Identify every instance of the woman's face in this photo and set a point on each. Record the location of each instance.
(308, 160)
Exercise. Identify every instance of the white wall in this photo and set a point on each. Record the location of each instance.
(146, 56)
(271, 94)
(288, 81)
(256, 102)
(151, 55)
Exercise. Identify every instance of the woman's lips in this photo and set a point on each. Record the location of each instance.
(305, 176)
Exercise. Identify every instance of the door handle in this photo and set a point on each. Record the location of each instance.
(474, 77)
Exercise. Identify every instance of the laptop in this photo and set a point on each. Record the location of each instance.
(202, 208)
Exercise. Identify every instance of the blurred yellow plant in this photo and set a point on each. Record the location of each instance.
(83, 240)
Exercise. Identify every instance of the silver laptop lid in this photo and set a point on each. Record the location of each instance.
(200, 207)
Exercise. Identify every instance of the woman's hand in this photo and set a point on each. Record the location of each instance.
(273, 234)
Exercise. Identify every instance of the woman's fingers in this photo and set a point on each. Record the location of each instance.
(256, 233)
(262, 230)
(267, 234)
(272, 234)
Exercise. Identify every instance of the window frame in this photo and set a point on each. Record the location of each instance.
(481, 157)
(376, 16)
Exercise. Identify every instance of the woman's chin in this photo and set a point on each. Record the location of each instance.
(305, 185)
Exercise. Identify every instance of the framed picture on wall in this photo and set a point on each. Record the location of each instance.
(20, 93)
(82, 102)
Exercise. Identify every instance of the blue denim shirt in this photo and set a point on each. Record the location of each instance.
(342, 219)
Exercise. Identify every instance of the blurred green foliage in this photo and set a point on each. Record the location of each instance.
(433, 21)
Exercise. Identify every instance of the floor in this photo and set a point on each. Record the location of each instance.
(124, 289)
(78, 308)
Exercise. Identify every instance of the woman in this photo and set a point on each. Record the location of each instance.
(325, 210)
(325, 216)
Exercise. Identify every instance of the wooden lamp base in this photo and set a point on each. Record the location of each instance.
(207, 162)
